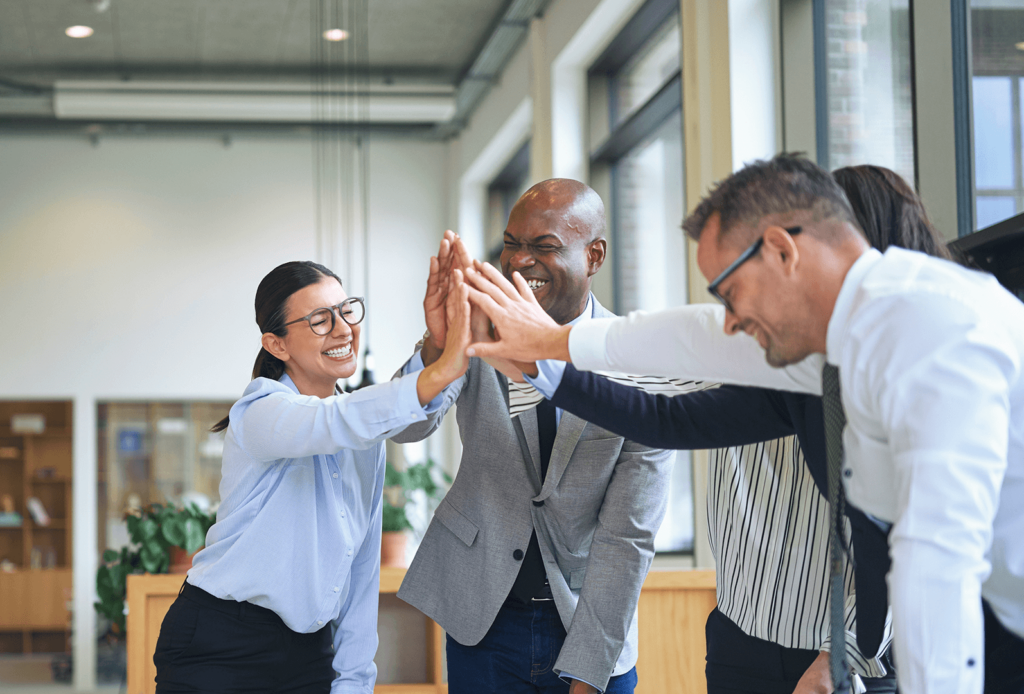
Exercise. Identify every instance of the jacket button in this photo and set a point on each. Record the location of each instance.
(538, 503)
(518, 555)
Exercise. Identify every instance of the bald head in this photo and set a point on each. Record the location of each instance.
(555, 240)
(569, 202)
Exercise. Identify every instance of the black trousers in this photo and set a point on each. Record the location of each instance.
(1004, 656)
(220, 646)
(738, 663)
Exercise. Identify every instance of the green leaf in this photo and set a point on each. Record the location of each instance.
(174, 531)
(133, 528)
(110, 555)
(148, 528)
(394, 519)
(153, 558)
(194, 536)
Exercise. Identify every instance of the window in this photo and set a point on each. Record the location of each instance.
(502, 194)
(867, 116)
(642, 154)
(997, 55)
(155, 453)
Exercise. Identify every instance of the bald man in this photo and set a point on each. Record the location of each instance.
(533, 562)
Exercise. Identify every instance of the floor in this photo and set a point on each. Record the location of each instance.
(31, 674)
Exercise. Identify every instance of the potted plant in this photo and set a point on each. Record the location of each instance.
(398, 486)
(160, 536)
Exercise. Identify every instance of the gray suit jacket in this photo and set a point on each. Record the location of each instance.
(596, 516)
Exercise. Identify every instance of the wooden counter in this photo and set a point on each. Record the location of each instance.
(673, 608)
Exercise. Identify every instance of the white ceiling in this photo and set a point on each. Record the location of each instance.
(248, 39)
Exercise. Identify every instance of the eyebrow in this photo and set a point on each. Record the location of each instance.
(539, 239)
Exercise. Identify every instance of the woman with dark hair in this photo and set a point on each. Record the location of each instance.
(284, 596)
(889, 211)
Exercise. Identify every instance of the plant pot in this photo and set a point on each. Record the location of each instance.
(392, 548)
(181, 561)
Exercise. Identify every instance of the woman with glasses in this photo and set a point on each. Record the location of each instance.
(283, 598)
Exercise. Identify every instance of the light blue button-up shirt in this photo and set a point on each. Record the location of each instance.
(298, 528)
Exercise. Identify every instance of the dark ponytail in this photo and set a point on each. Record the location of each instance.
(889, 211)
(271, 309)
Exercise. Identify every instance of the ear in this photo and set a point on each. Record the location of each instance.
(597, 251)
(275, 345)
(780, 248)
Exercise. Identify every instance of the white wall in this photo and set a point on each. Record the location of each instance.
(128, 271)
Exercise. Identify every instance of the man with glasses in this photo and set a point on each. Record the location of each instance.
(925, 361)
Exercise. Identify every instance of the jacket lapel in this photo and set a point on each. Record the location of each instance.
(525, 426)
(570, 428)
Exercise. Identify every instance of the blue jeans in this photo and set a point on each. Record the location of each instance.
(517, 654)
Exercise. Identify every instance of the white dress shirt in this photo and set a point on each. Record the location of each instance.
(931, 362)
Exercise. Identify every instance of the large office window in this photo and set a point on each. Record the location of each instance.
(997, 57)
(867, 116)
(639, 74)
(502, 194)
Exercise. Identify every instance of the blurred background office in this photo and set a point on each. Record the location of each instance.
(158, 158)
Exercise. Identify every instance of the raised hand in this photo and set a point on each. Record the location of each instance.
(525, 331)
(453, 362)
(437, 296)
(458, 314)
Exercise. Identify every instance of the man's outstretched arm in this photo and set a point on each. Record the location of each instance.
(711, 418)
(686, 341)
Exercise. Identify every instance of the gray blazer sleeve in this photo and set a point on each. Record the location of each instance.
(620, 557)
(421, 430)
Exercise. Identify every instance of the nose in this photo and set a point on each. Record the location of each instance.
(522, 258)
(732, 323)
(341, 328)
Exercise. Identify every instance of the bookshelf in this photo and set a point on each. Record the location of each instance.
(35, 588)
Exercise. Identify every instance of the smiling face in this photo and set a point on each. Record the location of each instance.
(316, 362)
(763, 294)
(550, 241)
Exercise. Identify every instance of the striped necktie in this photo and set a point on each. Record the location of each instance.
(835, 421)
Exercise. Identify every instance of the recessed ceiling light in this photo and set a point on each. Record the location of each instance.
(335, 34)
(1020, 46)
(78, 31)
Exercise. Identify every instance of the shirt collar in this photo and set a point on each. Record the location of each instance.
(844, 303)
(588, 311)
(287, 381)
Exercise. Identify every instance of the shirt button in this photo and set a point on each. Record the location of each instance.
(970, 662)
(847, 473)
(518, 555)
(335, 589)
(335, 475)
(319, 623)
(350, 553)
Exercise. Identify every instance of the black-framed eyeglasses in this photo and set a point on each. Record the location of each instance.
(744, 257)
(322, 321)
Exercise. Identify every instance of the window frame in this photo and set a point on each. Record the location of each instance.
(622, 137)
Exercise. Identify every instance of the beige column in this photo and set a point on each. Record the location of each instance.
(540, 91)
(707, 142)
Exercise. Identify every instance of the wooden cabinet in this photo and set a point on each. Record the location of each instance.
(674, 605)
(36, 590)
